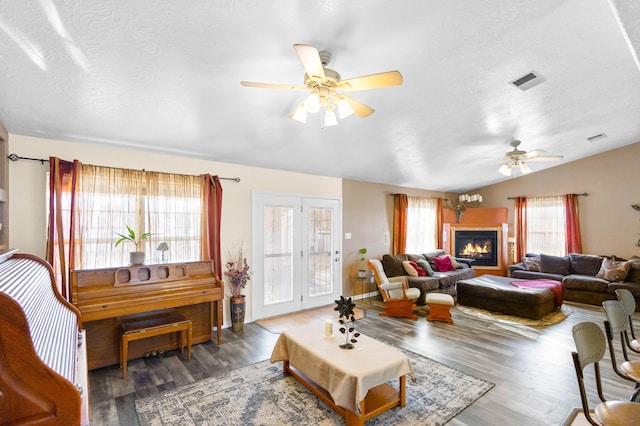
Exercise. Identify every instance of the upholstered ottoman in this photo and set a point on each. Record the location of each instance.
(497, 294)
(439, 304)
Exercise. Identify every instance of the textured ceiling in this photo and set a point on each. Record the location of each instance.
(164, 75)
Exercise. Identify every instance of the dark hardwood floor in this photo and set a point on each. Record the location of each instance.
(531, 367)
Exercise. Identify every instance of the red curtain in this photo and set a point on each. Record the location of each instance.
(439, 222)
(400, 207)
(61, 244)
(211, 220)
(520, 226)
(574, 240)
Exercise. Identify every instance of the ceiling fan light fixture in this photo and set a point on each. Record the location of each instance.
(329, 118)
(524, 168)
(300, 114)
(312, 104)
(505, 170)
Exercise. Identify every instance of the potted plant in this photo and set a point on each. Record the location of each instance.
(237, 273)
(362, 272)
(135, 257)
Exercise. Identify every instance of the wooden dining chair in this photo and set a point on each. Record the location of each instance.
(629, 304)
(590, 348)
(399, 299)
(616, 324)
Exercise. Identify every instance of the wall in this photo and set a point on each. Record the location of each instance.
(368, 217)
(608, 224)
(27, 190)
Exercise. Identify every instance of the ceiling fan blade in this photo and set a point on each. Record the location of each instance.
(373, 81)
(545, 158)
(272, 86)
(534, 153)
(359, 109)
(310, 58)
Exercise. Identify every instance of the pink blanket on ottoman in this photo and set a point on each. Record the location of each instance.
(555, 286)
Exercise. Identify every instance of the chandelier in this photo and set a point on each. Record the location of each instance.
(514, 163)
(325, 101)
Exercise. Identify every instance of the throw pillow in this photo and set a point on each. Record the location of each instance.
(392, 265)
(426, 266)
(531, 263)
(614, 270)
(584, 264)
(554, 264)
(421, 272)
(411, 271)
(443, 263)
(454, 262)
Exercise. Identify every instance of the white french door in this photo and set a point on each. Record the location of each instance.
(296, 253)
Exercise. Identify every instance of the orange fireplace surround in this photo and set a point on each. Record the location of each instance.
(479, 219)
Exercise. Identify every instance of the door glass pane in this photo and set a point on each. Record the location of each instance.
(320, 264)
(278, 254)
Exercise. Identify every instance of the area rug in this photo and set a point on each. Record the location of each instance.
(280, 323)
(551, 318)
(260, 394)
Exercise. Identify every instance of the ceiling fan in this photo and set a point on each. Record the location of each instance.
(326, 86)
(516, 159)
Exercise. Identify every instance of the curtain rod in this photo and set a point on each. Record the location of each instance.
(584, 194)
(14, 157)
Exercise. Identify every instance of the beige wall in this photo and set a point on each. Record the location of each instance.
(368, 216)
(608, 224)
(27, 190)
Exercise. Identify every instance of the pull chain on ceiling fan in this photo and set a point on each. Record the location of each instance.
(324, 85)
(516, 159)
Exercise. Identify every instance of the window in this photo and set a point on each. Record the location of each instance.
(421, 224)
(108, 199)
(546, 225)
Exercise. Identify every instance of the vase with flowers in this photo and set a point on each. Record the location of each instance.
(237, 273)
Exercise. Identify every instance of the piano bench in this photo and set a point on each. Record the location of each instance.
(149, 327)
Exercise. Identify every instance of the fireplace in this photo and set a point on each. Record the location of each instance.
(481, 245)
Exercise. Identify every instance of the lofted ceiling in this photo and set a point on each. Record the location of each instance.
(164, 75)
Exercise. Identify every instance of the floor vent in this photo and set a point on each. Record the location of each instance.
(527, 81)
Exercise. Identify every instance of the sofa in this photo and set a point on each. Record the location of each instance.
(436, 280)
(586, 278)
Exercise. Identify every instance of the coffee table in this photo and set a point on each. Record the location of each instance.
(351, 381)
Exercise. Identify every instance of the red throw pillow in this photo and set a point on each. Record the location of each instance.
(444, 264)
(420, 269)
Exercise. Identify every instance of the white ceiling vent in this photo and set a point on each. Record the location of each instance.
(597, 137)
(527, 81)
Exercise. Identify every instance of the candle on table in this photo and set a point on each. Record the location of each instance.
(328, 328)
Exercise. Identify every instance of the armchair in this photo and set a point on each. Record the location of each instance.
(399, 299)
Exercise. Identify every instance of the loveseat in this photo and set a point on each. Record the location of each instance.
(586, 278)
(437, 280)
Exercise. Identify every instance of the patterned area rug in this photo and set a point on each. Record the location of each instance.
(260, 394)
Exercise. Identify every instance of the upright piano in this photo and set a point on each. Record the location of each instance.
(107, 297)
